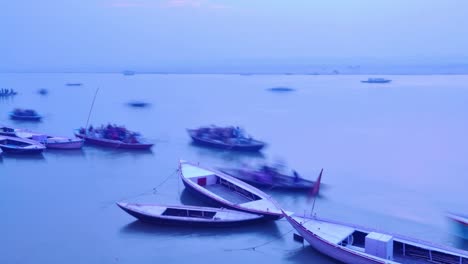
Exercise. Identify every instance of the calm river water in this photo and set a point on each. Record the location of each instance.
(394, 158)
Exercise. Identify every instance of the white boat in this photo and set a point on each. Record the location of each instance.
(52, 142)
(461, 224)
(226, 191)
(360, 245)
(188, 215)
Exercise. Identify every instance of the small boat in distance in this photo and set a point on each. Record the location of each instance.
(73, 84)
(226, 191)
(271, 177)
(138, 104)
(113, 136)
(230, 138)
(15, 145)
(461, 224)
(354, 244)
(25, 115)
(188, 215)
(376, 80)
(281, 89)
(128, 73)
(42, 91)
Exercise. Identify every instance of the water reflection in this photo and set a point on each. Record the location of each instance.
(29, 157)
(306, 253)
(66, 152)
(228, 155)
(266, 229)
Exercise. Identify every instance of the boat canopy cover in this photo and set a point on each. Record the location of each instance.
(190, 171)
(332, 233)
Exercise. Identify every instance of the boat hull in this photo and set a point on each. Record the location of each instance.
(278, 181)
(212, 199)
(25, 118)
(179, 222)
(114, 143)
(256, 146)
(65, 145)
(21, 150)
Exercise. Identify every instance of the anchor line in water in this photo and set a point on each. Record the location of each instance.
(262, 244)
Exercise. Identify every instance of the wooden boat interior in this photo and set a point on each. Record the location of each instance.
(385, 246)
(14, 143)
(220, 186)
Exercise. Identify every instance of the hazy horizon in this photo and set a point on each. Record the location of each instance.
(242, 36)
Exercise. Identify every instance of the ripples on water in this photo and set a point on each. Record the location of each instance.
(394, 157)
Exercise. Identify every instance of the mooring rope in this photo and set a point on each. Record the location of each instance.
(262, 244)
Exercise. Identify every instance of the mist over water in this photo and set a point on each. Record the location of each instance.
(393, 158)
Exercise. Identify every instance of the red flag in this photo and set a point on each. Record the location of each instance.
(316, 188)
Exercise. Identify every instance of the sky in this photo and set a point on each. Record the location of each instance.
(107, 35)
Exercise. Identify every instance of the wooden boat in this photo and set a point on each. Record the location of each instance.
(7, 92)
(95, 137)
(376, 80)
(361, 245)
(226, 191)
(8, 131)
(26, 115)
(73, 84)
(17, 145)
(270, 177)
(188, 215)
(238, 143)
(53, 142)
(461, 224)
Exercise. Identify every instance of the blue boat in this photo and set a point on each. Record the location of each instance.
(25, 114)
(229, 138)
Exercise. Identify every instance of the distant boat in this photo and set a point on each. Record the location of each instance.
(73, 84)
(461, 223)
(138, 104)
(188, 215)
(25, 115)
(376, 80)
(270, 177)
(16, 145)
(113, 137)
(227, 191)
(8, 131)
(281, 89)
(354, 244)
(209, 136)
(128, 73)
(43, 91)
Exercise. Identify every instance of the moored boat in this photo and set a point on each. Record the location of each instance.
(226, 191)
(461, 224)
(25, 114)
(17, 145)
(7, 92)
(272, 177)
(225, 138)
(8, 131)
(360, 245)
(114, 137)
(188, 215)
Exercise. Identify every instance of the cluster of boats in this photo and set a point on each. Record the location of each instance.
(240, 203)
(7, 92)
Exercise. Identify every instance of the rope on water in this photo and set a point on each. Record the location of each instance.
(262, 244)
(153, 190)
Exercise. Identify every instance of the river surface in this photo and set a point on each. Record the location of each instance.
(394, 158)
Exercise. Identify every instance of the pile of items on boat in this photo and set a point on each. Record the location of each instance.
(25, 114)
(113, 136)
(7, 92)
(230, 137)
